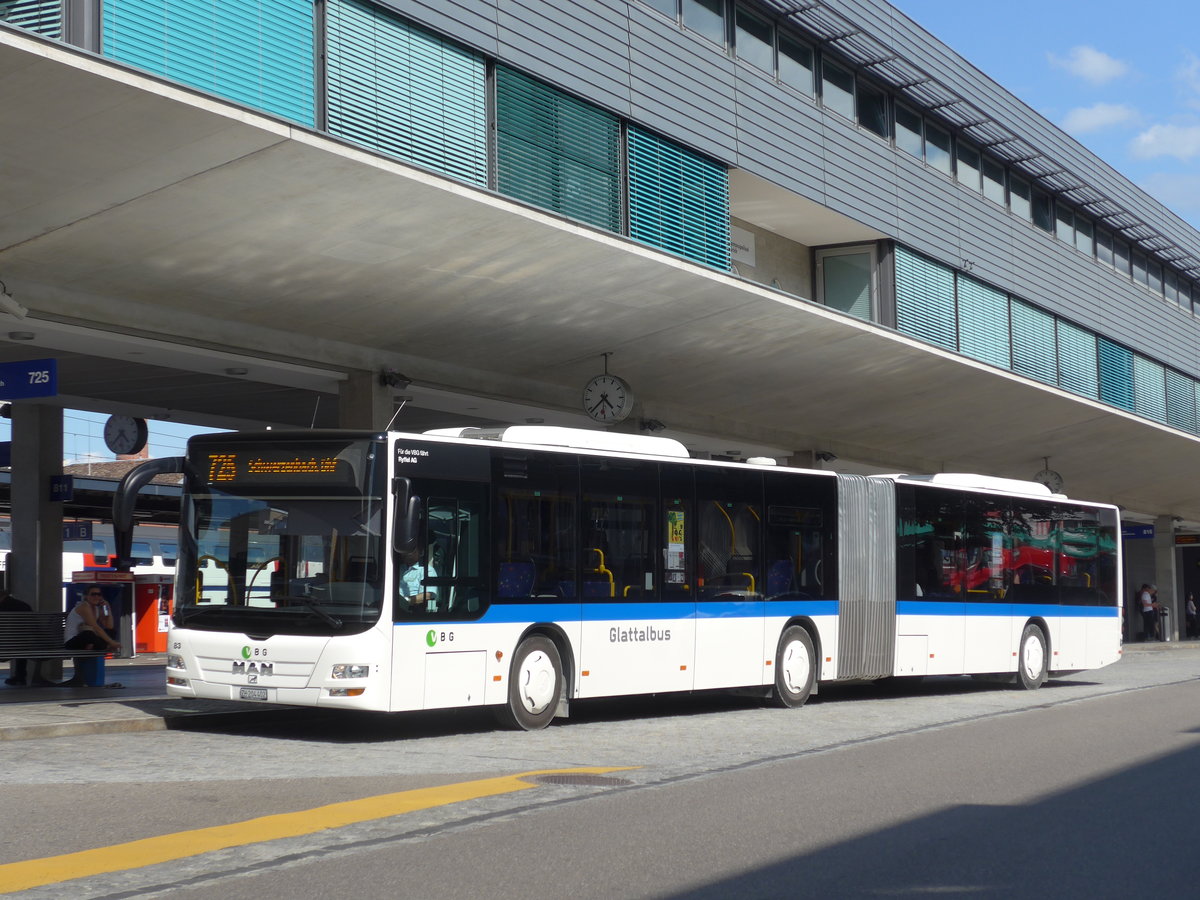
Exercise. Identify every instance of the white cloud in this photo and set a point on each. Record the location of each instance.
(1180, 141)
(1090, 64)
(1188, 77)
(1098, 116)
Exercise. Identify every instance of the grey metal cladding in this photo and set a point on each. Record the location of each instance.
(780, 136)
(470, 22)
(867, 577)
(681, 85)
(580, 47)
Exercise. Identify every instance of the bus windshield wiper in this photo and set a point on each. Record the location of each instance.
(331, 621)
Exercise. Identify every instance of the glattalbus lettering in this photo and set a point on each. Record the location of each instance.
(627, 635)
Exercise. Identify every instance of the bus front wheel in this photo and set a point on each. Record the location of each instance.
(1031, 659)
(535, 685)
(795, 668)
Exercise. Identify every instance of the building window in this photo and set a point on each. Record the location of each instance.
(1104, 246)
(846, 280)
(908, 131)
(1140, 273)
(41, 16)
(937, 149)
(1077, 360)
(872, 109)
(1116, 374)
(1020, 198)
(557, 152)
(1033, 342)
(666, 7)
(1154, 277)
(1083, 235)
(400, 90)
(1043, 211)
(1171, 286)
(983, 323)
(754, 41)
(925, 300)
(706, 17)
(967, 170)
(256, 52)
(993, 180)
(678, 200)
(796, 64)
(1121, 257)
(837, 89)
(1064, 223)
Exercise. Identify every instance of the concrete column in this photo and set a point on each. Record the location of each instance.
(1164, 573)
(36, 560)
(365, 403)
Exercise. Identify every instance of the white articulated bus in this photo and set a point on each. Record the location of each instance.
(527, 567)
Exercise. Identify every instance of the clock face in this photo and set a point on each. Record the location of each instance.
(1050, 479)
(125, 434)
(608, 399)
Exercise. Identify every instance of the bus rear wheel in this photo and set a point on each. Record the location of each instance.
(795, 668)
(1031, 659)
(535, 684)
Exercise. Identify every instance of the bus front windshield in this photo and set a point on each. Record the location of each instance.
(276, 561)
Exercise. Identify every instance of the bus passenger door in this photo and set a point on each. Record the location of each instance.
(729, 600)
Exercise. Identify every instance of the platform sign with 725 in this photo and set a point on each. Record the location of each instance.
(31, 378)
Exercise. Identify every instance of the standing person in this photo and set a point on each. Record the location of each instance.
(1149, 612)
(1190, 613)
(88, 624)
(18, 668)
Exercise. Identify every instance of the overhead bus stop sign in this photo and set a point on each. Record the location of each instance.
(31, 378)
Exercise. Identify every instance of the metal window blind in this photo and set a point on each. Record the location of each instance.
(1033, 342)
(925, 306)
(1116, 374)
(256, 52)
(678, 200)
(1077, 365)
(557, 152)
(983, 331)
(402, 91)
(1149, 389)
(1181, 401)
(42, 16)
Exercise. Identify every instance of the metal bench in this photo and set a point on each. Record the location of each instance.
(36, 636)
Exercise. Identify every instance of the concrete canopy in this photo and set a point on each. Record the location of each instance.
(163, 241)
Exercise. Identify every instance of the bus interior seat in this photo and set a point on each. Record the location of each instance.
(780, 577)
(515, 579)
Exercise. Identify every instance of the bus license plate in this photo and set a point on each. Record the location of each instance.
(253, 693)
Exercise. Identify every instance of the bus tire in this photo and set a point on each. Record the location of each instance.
(1031, 658)
(535, 684)
(795, 668)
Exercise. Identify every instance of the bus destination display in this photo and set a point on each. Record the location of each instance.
(229, 467)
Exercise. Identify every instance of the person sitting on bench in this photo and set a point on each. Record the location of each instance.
(86, 628)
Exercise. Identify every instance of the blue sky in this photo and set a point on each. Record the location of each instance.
(1122, 79)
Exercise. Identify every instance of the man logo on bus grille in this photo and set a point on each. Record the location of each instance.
(431, 637)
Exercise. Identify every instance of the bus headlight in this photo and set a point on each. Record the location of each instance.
(174, 661)
(346, 670)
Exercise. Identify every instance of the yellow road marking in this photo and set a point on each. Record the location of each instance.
(31, 873)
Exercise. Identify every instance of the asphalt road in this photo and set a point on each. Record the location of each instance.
(947, 788)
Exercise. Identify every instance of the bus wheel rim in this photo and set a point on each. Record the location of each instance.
(796, 666)
(1033, 657)
(537, 682)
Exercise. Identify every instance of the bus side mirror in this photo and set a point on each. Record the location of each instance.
(405, 518)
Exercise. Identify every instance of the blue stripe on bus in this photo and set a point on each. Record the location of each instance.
(632, 612)
(1022, 610)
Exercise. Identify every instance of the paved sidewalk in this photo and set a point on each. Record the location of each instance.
(142, 703)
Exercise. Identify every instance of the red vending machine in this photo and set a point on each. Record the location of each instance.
(153, 603)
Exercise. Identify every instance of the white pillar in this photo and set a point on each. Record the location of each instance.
(1164, 573)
